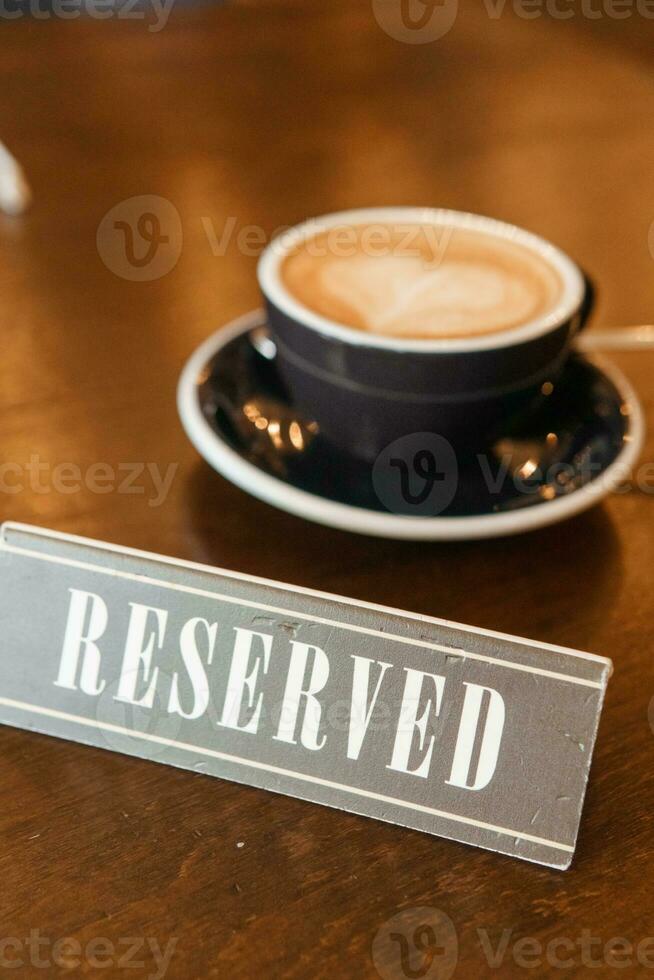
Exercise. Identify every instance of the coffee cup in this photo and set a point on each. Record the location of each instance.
(394, 321)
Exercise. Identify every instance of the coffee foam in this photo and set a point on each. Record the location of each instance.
(420, 282)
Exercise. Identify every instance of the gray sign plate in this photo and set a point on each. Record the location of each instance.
(460, 732)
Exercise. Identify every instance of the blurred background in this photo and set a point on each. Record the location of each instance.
(230, 121)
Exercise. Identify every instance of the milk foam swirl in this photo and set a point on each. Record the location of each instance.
(458, 284)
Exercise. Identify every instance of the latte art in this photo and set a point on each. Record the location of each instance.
(434, 283)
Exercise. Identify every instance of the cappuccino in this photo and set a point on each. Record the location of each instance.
(420, 281)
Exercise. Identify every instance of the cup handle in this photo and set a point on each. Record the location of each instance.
(588, 302)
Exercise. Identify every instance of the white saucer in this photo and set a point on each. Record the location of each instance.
(203, 395)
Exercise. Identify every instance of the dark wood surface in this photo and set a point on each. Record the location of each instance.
(268, 112)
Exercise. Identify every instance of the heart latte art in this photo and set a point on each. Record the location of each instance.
(420, 281)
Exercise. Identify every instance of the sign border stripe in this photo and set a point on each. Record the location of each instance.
(219, 597)
(277, 770)
(106, 546)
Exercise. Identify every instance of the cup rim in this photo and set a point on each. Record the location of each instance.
(272, 287)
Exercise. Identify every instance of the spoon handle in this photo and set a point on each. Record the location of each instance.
(621, 338)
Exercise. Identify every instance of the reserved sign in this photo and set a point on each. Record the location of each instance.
(471, 735)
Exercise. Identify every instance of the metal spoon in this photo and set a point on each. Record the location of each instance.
(621, 338)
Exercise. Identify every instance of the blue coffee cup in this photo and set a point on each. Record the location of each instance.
(366, 390)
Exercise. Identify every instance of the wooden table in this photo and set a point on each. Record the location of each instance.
(263, 113)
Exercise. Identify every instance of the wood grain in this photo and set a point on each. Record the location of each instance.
(266, 113)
